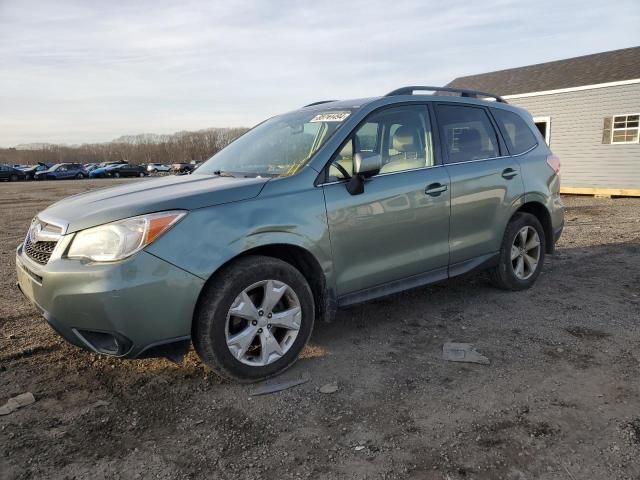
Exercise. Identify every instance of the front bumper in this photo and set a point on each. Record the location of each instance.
(126, 309)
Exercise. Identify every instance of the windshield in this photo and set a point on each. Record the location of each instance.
(279, 146)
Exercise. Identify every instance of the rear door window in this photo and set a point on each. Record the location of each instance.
(467, 133)
(515, 131)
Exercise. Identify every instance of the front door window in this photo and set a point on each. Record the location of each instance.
(401, 135)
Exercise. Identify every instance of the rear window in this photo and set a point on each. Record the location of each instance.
(515, 131)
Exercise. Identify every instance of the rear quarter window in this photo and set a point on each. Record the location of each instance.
(515, 131)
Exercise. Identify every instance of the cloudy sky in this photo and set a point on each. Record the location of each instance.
(92, 70)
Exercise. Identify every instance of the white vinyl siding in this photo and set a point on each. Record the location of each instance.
(576, 135)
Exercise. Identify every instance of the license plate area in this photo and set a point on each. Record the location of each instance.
(27, 282)
(27, 271)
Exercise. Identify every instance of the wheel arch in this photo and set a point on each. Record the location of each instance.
(298, 257)
(539, 211)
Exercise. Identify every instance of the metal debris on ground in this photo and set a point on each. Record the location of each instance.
(329, 388)
(268, 387)
(17, 402)
(463, 352)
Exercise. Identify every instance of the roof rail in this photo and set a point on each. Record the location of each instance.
(319, 103)
(463, 92)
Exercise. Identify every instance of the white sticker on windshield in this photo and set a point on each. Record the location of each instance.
(330, 117)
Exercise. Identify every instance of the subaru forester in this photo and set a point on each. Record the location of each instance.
(330, 205)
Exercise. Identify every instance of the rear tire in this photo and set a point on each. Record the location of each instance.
(117, 174)
(516, 269)
(215, 326)
(80, 176)
(13, 178)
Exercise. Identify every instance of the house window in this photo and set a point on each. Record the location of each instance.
(624, 128)
(543, 124)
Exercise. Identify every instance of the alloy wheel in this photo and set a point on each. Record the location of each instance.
(525, 252)
(263, 323)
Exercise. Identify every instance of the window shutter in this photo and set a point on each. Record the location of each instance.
(606, 130)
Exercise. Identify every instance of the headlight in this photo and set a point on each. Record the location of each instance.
(121, 239)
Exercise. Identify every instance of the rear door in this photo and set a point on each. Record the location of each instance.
(485, 182)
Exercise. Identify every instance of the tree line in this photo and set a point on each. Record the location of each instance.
(136, 149)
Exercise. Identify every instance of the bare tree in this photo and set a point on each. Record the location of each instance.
(145, 148)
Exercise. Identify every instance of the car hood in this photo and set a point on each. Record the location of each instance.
(186, 192)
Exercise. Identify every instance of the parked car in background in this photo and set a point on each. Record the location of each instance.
(11, 174)
(31, 170)
(356, 200)
(126, 170)
(102, 169)
(182, 167)
(62, 171)
(158, 167)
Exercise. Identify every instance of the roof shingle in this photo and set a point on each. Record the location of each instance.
(613, 66)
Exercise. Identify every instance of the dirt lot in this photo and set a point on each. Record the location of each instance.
(560, 400)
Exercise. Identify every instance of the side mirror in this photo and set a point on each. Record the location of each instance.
(364, 166)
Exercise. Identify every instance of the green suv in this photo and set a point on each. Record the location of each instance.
(333, 204)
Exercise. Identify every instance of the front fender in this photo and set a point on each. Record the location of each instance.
(208, 238)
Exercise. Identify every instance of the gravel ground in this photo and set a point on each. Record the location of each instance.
(560, 400)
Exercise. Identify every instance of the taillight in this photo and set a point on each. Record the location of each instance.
(554, 162)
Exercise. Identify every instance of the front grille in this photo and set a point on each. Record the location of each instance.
(41, 240)
(39, 251)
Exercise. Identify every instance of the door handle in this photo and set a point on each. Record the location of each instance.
(509, 173)
(435, 189)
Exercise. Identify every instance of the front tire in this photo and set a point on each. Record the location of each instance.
(253, 319)
(521, 254)
(117, 174)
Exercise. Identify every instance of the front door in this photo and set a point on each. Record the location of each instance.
(485, 181)
(397, 231)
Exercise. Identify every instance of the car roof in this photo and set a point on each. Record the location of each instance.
(406, 94)
(325, 105)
